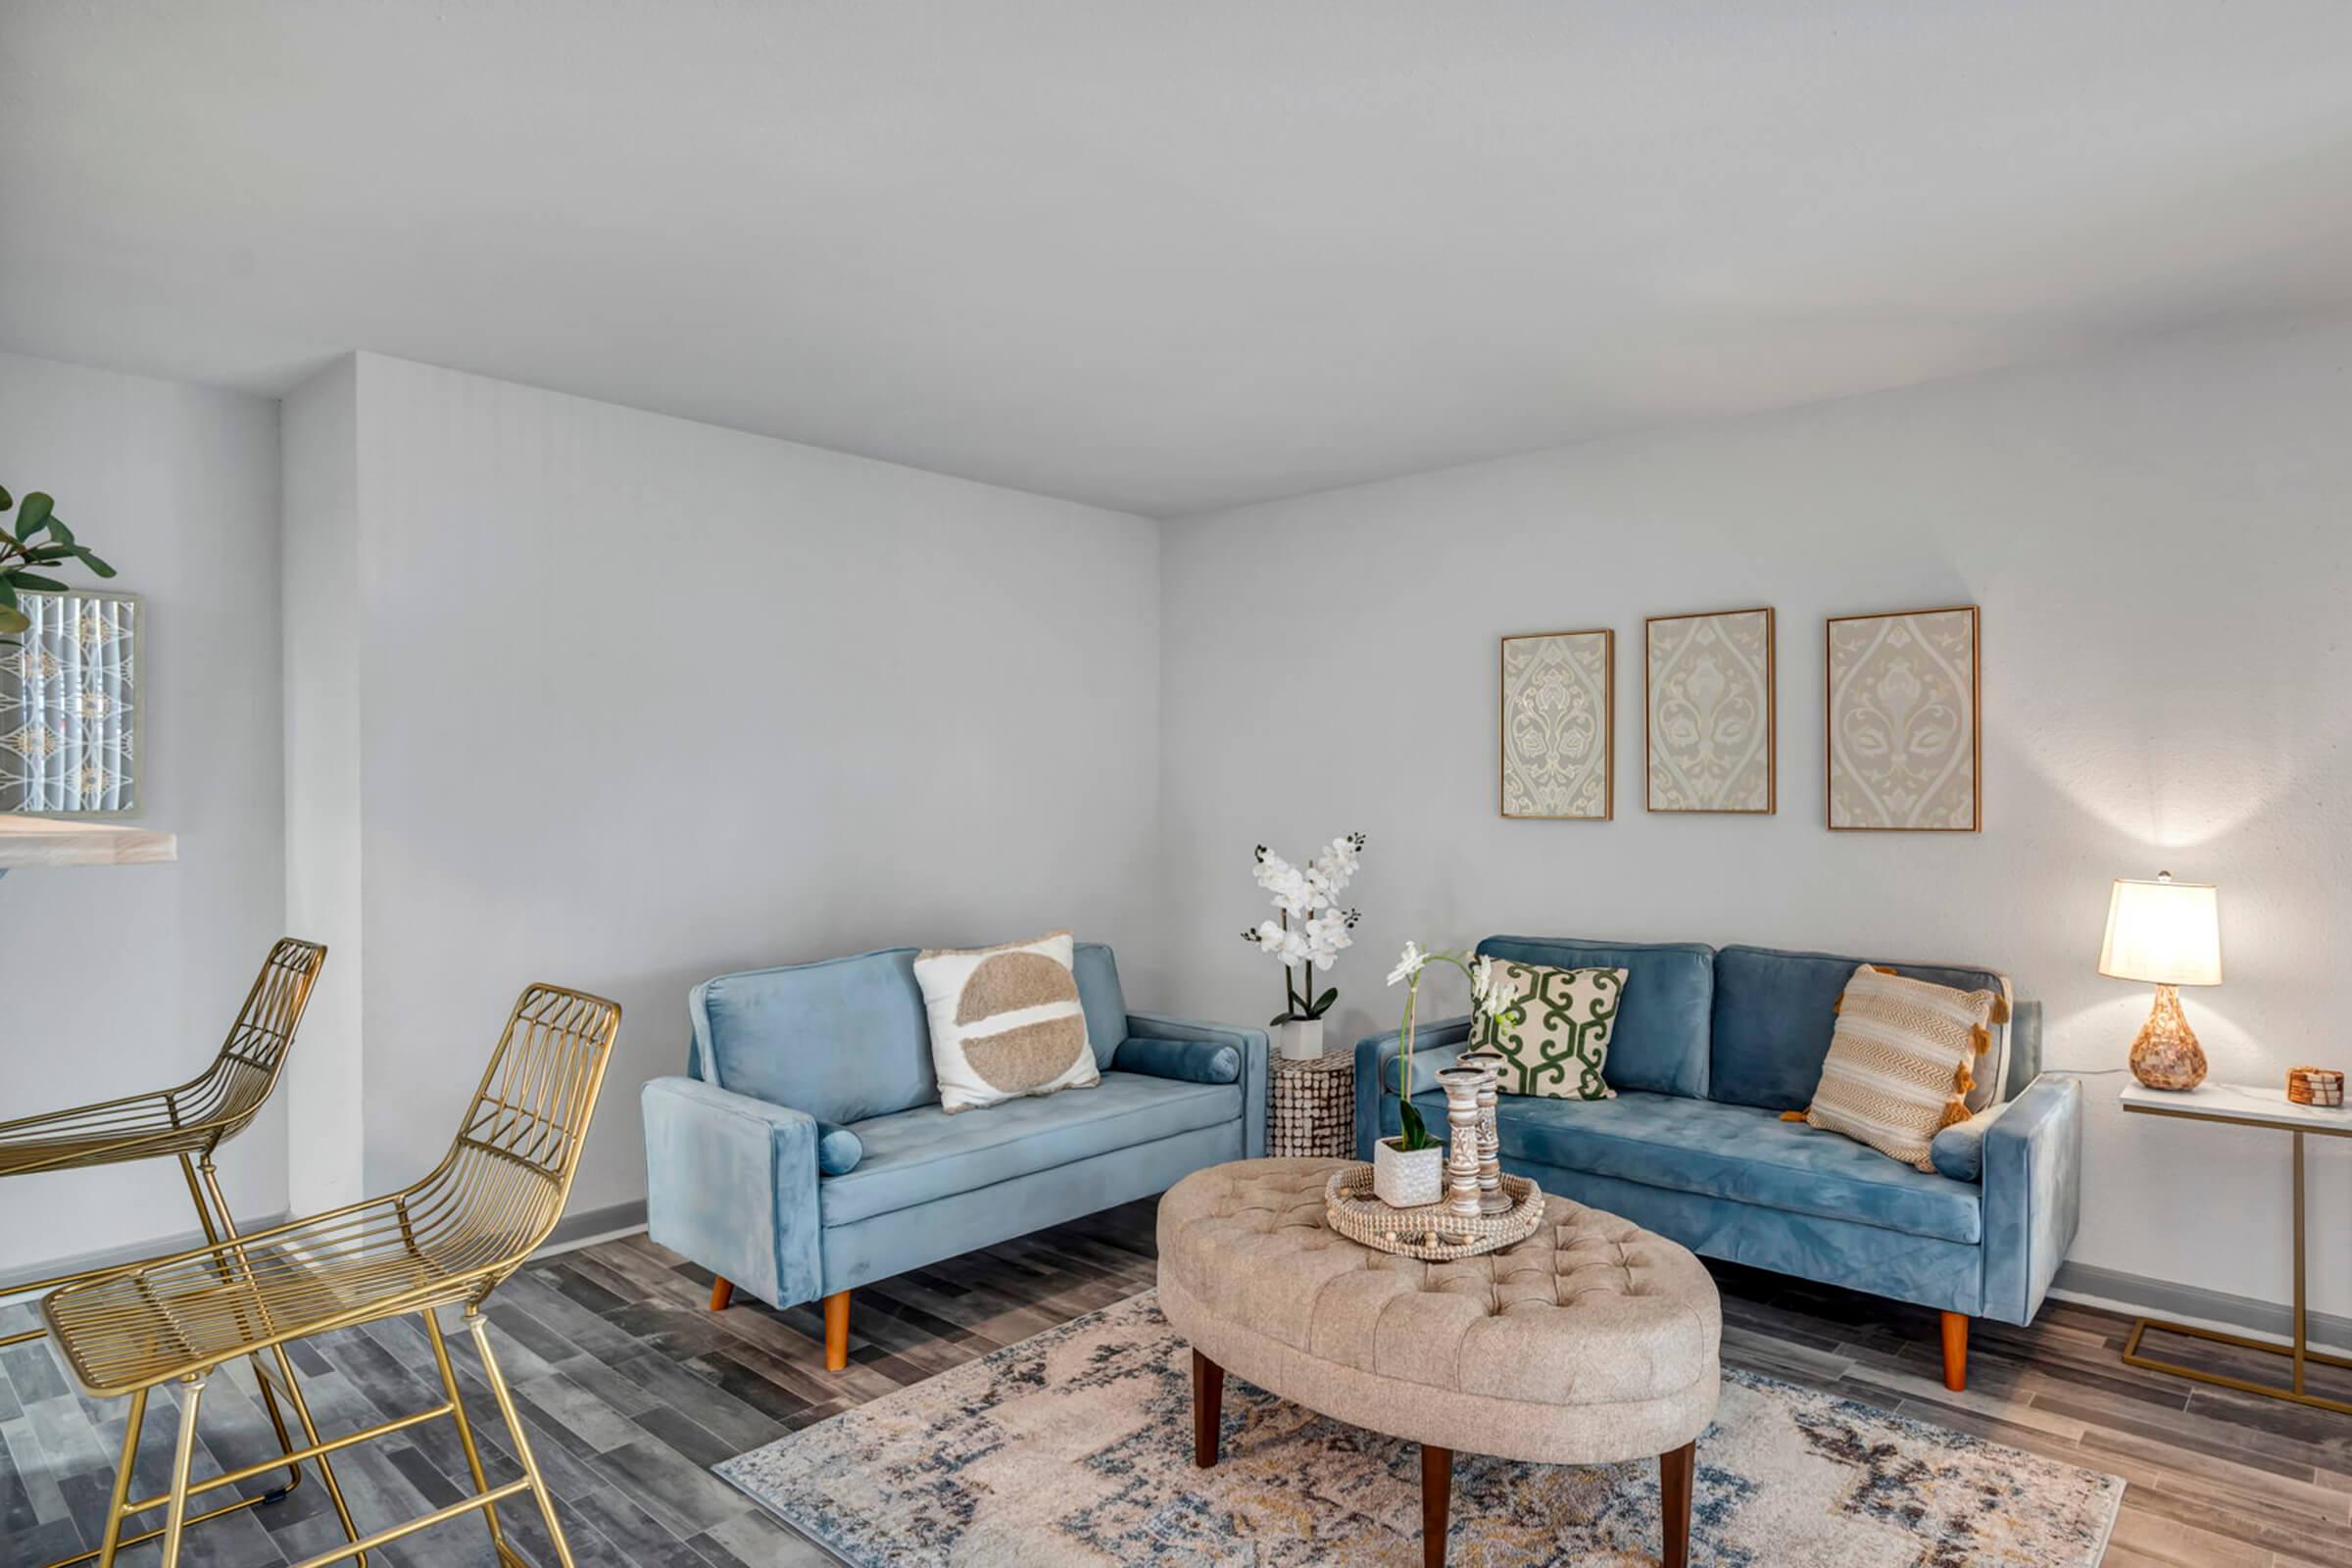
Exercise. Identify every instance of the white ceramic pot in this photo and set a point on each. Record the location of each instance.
(1404, 1180)
(1301, 1038)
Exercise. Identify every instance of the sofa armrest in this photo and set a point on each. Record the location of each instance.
(1435, 1046)
(731, 1182)
(2032, 1195)
(1253, 1046)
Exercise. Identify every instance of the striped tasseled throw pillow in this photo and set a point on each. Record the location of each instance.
(1898, 1068)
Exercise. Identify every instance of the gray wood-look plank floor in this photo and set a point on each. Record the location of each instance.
(630, 1388)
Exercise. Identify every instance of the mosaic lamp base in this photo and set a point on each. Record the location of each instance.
(2166, 1053)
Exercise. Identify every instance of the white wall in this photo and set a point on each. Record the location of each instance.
(642, 700)
(324, 1090)
(115, 981)
(2160, 545)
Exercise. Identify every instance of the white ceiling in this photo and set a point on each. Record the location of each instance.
(1173, 255)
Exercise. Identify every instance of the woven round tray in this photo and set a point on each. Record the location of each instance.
(1428, 1231)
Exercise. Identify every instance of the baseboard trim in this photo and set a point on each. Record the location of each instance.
(576, 1231)
(2088, 1285)
(132, 1253)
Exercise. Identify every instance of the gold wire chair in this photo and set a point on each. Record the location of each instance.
(448, 1239)
(188, 1122)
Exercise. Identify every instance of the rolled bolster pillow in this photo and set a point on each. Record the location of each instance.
(1958, 1151)
(838, 1150)
(1426, 1062)
(1192, 1061)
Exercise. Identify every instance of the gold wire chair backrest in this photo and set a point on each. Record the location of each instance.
(234, 1089)
(196, 1116)
(501, 1190)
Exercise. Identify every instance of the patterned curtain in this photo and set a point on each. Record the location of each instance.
(69, 707)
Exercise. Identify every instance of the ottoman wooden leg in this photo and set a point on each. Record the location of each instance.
(1673, 1502)
(1437, 1501)
(1208, 1409)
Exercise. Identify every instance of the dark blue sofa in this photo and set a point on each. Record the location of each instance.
(1710, 1046)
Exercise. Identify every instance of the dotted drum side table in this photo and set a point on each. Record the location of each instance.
(1312, 1115)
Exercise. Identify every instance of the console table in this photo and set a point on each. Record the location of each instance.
(2243, 1105)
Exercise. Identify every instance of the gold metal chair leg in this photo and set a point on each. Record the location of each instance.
(216, 1232)
(310, 1432)
(480, 1329)
(112, 1540)
(176, 1518)
(456, 1413)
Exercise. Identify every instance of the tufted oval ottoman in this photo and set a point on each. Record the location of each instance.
(1592, 1341)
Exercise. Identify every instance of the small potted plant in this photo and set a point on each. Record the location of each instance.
(1310, 929)
(24, 550)
(1410, 1169)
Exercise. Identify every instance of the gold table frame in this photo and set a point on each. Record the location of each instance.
(2238, 1105)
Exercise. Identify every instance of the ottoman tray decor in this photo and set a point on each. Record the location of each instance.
(1592, 1341)
(1433, 1231)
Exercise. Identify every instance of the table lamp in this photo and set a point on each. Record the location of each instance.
(2167, 933)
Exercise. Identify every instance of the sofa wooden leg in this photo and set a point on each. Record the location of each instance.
(1437, 1502)
(837, 1331)
(722, 1293)
(1675, 1473)
(1955, 1351)
(1208, 1409)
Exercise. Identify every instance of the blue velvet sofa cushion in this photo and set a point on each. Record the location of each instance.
(1660, 1042)
(919, 1155)
(1099, 998)
(1738, 1152)
(842, 1040)
(1775, 1012)
(1193, 1061)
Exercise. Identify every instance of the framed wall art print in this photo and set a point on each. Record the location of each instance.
(1710, 735)
(1560, 713)
(1905, 737)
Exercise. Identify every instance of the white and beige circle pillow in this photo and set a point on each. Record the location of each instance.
(1004, 1022)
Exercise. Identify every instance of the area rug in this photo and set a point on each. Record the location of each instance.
(1075, 1447)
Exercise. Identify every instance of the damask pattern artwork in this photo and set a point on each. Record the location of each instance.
(1712, 730)
(70, 706)
(1559, 712)
(1906, 738)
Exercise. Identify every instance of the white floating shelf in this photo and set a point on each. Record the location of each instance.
(30, 841)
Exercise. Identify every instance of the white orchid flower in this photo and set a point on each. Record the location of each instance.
(1268, 936)
(1409, 963)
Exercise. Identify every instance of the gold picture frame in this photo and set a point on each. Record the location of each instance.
(1556, 726)
(1704, 781)
(1890, 679)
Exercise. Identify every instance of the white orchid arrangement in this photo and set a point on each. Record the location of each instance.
(1310, 929)
(1489, 991)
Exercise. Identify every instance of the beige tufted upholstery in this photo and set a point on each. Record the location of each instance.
(1591, 1340)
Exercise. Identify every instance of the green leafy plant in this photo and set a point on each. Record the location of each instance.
(1489, 991)
(31, 543)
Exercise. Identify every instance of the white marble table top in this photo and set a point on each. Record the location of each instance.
(2242, 1103)
(29, 841)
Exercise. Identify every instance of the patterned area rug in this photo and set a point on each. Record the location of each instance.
(1075, 1447)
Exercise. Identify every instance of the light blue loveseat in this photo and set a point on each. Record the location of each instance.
(1711, 1046)
(807, 1154)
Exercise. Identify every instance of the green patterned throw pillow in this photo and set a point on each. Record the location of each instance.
(1555, 1039)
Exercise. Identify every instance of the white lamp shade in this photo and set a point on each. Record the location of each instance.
(2167, 933)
